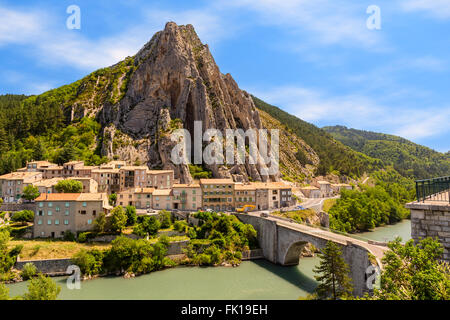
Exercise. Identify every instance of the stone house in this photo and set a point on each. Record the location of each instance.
(56, 213)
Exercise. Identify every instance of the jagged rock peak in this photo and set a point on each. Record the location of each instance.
(176, 71)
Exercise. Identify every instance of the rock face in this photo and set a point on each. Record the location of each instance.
(175, 81)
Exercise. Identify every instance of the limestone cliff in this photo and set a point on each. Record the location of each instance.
(170, 83)
(175, 79)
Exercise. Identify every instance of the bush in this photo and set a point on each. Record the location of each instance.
(29, 270)
(191, 233)
(69, 236)
(82, 237)
(180, 225)
(89, 262)
(165, 218)
(23, 216)
(149, 225)
(131, 215)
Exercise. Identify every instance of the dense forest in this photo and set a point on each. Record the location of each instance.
(334, 156)
(410, 159)
(370, 207)
(36, 130)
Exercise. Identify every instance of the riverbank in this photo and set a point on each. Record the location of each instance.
(252, 280)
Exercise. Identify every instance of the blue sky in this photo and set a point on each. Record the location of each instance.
(315, 59)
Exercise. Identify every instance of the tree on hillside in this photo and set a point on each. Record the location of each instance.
(131, 215)
(100, 222)
(413, 272)
(332, 273)
(118, 219)
(148, 225)
(39, 150)
(30, 192)
(165, 218)
(112, 199)
(42, 288)
(66, 154)
(69, 186)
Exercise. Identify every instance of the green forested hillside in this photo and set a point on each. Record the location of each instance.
(36, 130)
(334, 156)
(408, 158)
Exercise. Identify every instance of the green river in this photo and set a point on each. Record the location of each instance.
(253, 280)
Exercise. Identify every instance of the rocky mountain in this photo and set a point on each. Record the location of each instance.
(170, 83)
(408, 158)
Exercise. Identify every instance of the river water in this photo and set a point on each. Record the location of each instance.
(253, 280)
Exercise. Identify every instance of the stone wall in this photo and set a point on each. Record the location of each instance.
(17, 206)
(48, 266)
(431, 221)
(252, 254)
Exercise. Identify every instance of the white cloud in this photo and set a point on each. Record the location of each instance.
(436, 8)
(18, 26)
(326, 22)
(359, 112)
(55, 45)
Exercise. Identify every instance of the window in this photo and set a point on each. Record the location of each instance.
(67, 204)
(66, 222)
(66, 212)
(39, 221)
(41, 204)
(157, 198)
(56, 222)
(50, 204)
(57, 209)
(83, 211)
(49, 222)
(94, 212)
(193, 198)
(49, 212)
(84, 204)
(89, 221)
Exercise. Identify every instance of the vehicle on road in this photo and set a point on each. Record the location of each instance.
(300, 208)
(246, 208)
(264, 214)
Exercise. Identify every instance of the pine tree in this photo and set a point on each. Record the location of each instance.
(332, 273)
(39, 151)
(3, 140)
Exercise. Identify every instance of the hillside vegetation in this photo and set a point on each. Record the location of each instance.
(408, 158)
(334, 156)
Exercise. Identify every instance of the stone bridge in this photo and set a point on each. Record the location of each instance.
(282, 242)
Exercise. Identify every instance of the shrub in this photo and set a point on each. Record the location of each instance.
(165, 219)
(82, 237)
(149, 225)
(131, 215)
(89, 262)
(180, 225)
(29, 270)
(69, 236)
(191, 233)
(23, 216)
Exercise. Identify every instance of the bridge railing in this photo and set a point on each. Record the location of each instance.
(326, 229)
(436, 189)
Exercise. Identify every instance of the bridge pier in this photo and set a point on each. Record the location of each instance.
(283, 245)
(431, 219)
